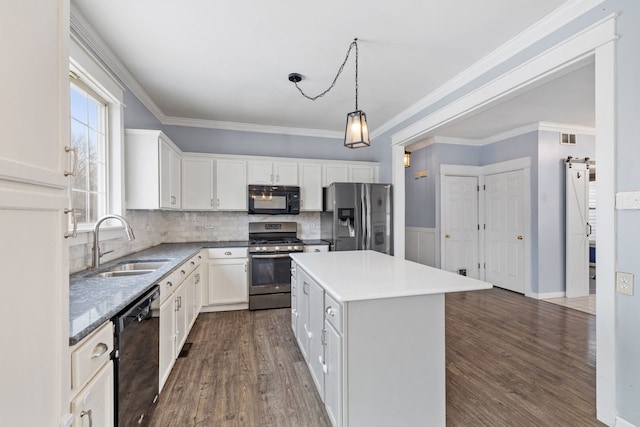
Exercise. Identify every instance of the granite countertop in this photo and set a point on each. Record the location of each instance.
(315, 242)
(95, 300)
(365, 275)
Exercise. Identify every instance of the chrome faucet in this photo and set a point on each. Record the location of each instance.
(96, 253)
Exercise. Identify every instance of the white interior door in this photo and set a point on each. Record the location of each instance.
(577, 230)
(460, 224)
(505, 230)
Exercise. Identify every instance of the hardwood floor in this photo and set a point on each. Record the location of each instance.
(516, 361)
(243, 369)
(511, 361)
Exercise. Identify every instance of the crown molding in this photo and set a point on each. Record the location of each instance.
(92, 41)
(249, 127)
(521, 130)
(532, 35)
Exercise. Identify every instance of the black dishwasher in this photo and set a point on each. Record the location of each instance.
(136, 361)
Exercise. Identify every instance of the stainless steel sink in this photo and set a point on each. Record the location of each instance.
(140, 265)
(134, 268)
(123, 273)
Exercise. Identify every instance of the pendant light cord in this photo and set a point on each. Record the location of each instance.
(353, 44)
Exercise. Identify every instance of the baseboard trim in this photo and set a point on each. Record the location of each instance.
(226, 307)
(548, 295)
(620, 422)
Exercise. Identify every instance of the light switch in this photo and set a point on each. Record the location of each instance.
(624, 283)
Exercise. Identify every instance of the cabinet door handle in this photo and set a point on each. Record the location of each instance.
(323, 337)
(331, 311)
(316, 250)
(218, 203)
(88, 414)
(227, 253)
(183, 272)
(211, 202)
(74, 221)
(197, 278)
(99, 350)
(245, 267)
(73, 161)
(277, 178)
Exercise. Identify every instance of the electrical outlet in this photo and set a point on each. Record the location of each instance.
(624, 283)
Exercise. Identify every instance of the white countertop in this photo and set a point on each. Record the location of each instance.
(363, 275)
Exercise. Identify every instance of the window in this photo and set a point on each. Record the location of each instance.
(88, 189)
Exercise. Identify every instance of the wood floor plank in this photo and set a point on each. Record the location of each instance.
(510, 361)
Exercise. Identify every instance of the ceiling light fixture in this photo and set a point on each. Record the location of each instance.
(356, 134)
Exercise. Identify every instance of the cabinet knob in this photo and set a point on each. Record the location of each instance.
(227, 253)
(99, 350)
(183, 272)
(316, 250)
(520, 237)
(446, 236)
(193, 263)
(331, 311)
(169, 284)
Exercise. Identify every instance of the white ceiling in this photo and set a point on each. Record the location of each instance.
(228, 61)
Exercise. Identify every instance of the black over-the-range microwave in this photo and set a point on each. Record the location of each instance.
(274, 199)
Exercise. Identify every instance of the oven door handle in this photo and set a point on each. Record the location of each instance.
(271, 256)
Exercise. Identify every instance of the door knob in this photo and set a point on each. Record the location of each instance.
(446, 236)
(520, 237)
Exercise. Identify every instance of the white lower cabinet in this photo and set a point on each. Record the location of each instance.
(228, 276)
(333, 374)
(92, 380)
(179, 307)
(316, 336)
(302, 309)
(93, 406)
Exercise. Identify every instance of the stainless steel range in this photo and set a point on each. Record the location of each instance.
(270, 244)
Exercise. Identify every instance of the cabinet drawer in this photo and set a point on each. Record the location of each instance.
(227, 253)
(333, 312)
(316, 248)
(170, 283)
(92, 353)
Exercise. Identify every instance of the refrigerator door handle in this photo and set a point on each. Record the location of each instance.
(363, 219)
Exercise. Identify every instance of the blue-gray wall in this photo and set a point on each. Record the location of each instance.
(547, 192)
(628, 231)
(218, 141)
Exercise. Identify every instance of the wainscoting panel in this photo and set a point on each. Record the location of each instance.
(420, 245)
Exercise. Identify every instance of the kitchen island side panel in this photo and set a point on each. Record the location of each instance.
(395, 362)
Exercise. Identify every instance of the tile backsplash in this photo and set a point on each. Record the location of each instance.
(155, 227)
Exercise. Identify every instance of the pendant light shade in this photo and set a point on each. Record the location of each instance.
(356, 134)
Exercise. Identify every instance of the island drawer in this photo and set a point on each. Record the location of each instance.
(333, 312)
(90, 355)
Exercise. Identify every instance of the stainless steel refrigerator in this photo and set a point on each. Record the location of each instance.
(358, 216)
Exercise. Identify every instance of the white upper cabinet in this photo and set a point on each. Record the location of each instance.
(153, 170)
(310, 187)
(264, 172)
(197, 183)
(362, 173)
(231, 185)
(334, 173)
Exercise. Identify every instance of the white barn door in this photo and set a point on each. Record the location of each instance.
(577, 229)
(505, 230)
(460, 225)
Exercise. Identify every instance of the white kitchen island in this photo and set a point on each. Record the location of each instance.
(371, 328)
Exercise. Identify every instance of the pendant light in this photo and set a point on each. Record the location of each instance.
(356, 134)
